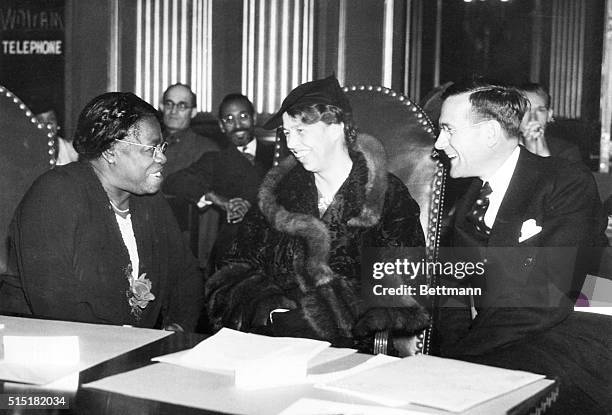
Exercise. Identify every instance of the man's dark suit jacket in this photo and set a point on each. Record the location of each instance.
(562, 148)
(226, 172)
(525, 316)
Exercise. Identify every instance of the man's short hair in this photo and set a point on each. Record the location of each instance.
(236, 97)
(493, 101)
(537, 89)
(194, 98)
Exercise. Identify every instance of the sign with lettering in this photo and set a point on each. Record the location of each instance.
(32, 52)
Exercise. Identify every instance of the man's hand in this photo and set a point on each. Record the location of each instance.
(534, 140)
(237, 208)
(215, 199)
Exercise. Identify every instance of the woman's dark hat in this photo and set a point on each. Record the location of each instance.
(322, 91)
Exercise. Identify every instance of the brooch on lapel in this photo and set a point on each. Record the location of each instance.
(139, 293)
(529, 229)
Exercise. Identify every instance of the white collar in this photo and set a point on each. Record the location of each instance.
(502, 176)
(249, 148)
(499, 182)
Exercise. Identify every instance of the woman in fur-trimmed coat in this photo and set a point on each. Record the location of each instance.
(301, 253)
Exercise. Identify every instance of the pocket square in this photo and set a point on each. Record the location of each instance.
(529, 229)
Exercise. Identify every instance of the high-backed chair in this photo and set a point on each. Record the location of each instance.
(27, 150)
(408, 137)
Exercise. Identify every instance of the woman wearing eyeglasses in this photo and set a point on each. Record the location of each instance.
(94, 241)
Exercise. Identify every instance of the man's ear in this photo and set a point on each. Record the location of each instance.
(493, 131)
(221, 126)
(109, 155)
(254, 116)
(551, 114)
(194, 112)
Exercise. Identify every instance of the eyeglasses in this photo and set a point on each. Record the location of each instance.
(157, 150)
(452, 131)
(169, 105)
(229, 119)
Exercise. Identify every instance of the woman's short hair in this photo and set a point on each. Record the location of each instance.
(326, 113)
(107, 118)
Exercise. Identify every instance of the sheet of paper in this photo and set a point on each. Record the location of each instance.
(597, 310)
(40, 350)
(255, 361)
(451, 385)
(307, 406)
(230, 349)
(326, 356)
(372, 362)
(97, 343)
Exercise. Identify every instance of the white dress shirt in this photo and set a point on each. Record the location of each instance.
(250, 147)
(499, 182)
(127, 233)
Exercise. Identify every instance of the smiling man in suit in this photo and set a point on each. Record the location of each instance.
(228, 179)
(237, 119)
(533, 222)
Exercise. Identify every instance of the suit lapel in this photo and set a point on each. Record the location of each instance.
(516, 202)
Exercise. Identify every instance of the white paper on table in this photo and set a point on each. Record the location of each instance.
(230, 349)
(67, 384)
(41, 350)
(328, 355)
(447, 384)
(372, 362)
(97, 343)
(308, 406)
(256, 361)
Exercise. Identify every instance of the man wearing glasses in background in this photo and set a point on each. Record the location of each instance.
(178, 108)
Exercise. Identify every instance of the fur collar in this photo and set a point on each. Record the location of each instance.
(368, 156)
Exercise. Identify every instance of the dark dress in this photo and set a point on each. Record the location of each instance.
(73, 263)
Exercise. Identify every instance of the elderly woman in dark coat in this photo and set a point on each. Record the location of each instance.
(295, 267)
(94, 240)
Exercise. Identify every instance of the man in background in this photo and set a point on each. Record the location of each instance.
(237, 120)
(178, 108)
(535, 135)
(229, 179)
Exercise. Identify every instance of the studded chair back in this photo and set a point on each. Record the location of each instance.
(407, 135)
(27, 151)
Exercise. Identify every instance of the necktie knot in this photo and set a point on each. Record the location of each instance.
(249, 156)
